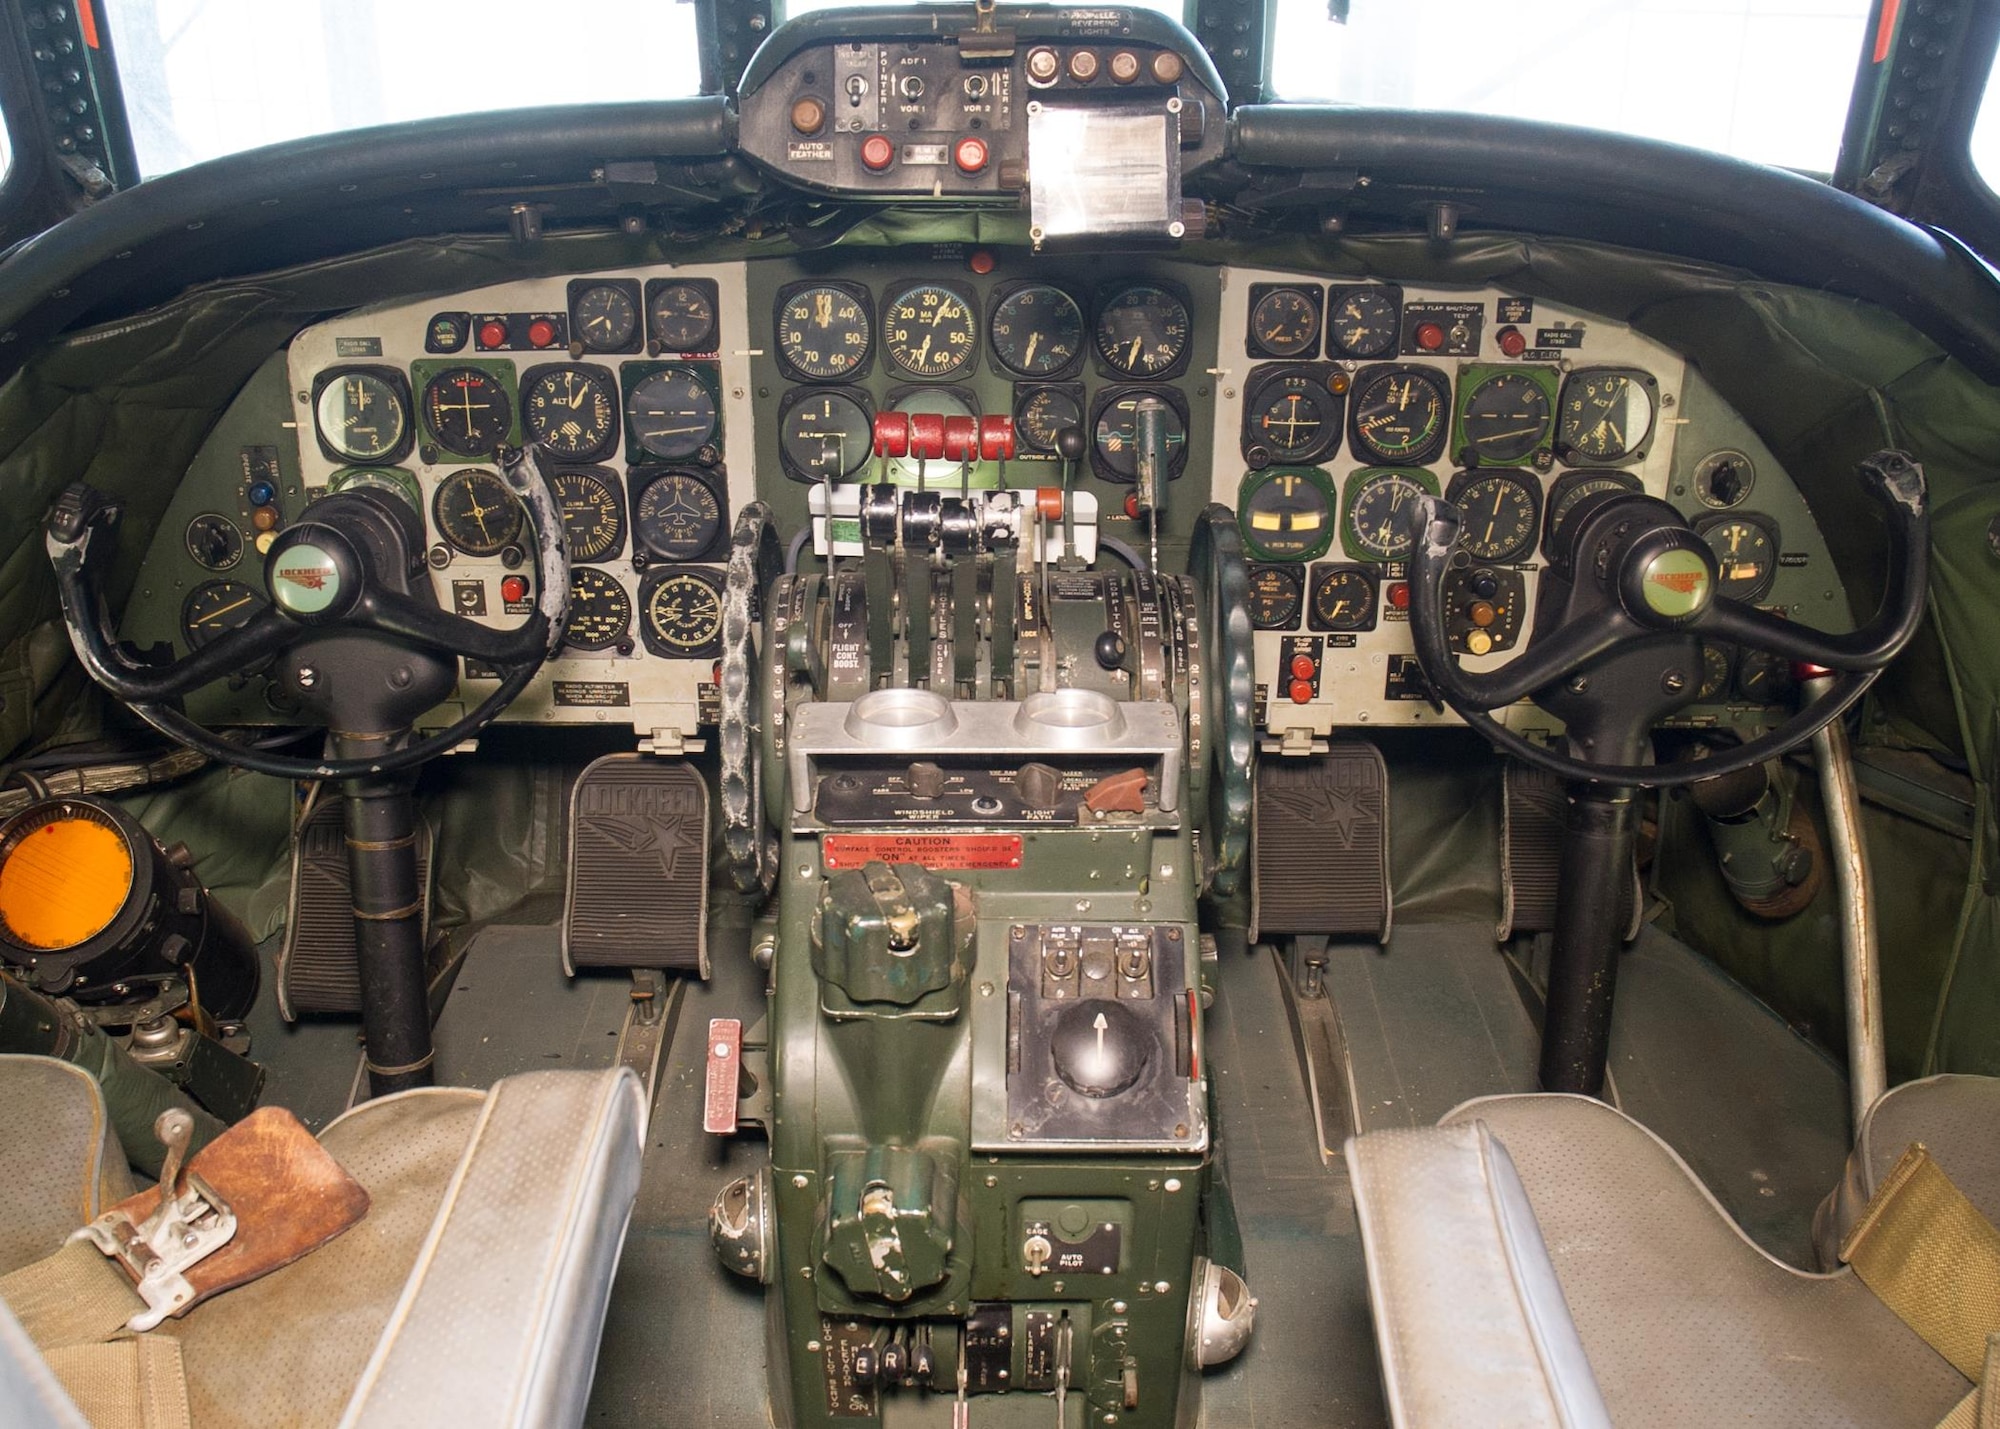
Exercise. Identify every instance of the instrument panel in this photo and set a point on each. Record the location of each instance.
(667, 397)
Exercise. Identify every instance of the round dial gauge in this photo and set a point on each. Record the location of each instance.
(216, 608)
(1042, 413)
(1362, 323)
(682, 316)
(571, 410)
(1377, 512)
(1715, 672)
(1763, 678)
(823, 332)
(1574, 487)
(1286, 515)
(682, 613)
(1506, 418)
(929, 331)
(1399, 414)
(1276, 593)
(1343, 599)
(1117, 438)
(599, 610)
(1724, 479)
(947, 403)
(392, 479)
(604, 317)
(1746, 556)
(468, 411)
(362, 416)
(825, 436)
(1293, 417)
(214, 542)
(1285, 323)
(593, 517)
(1502, 513)
(1037, 331)
(678, 517)
(1606, 416)
(671, 413)
(1142, 331)
(475, 511)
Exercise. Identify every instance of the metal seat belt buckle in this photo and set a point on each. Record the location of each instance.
(190, 1223)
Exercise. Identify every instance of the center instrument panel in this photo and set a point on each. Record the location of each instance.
(666, 397)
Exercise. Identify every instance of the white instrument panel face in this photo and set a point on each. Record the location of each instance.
(653, 460)
(1504, 403)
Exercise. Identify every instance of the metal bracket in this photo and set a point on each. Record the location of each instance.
(190, 1224)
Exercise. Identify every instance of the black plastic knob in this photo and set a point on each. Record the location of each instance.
(1100, 1047)
(1071, 443)
(1109, 650)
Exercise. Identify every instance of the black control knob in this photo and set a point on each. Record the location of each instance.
(1071, 443)
(1039, 785)
(1109, 650)
(923, 1364)
(866, 1365)
(1100, 1047)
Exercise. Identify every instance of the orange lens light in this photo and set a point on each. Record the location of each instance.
(63, 883)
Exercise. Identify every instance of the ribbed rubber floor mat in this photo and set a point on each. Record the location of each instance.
(317, 970)
(1322, 841)
(637, 895)
(1534, 812)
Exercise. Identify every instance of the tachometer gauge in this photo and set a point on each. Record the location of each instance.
(1362, 322)
(1041, 412)
(216, 608)
(1343, 599)
(599, 610)
(604, 316)
(670, 413)
(1377, 512)
(681, 613)
(1399, 413)
(1115, 447)
(823, 331)
(1746, 554)
(593, 515)
(467, 411)
(1284, 321)
(1286, 513)
(1716, 668)
(1293, 416)
(681, 316)
(1502, 513)
(1504, 418)
(1037, 330)
(573, 411)
(1607, 415)
(1142, 331)
(823, 435)
(929, 331)
(1570, 489)
(363, 414)
(677, 517)
(476, 512)
(1276, 593)
(214, 542)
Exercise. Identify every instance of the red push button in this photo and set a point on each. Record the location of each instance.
(892, 433)
(969, 154)
(493, 333)
(1429, 336)
(1132, 505)
(1302, 667)
(1399, 595)
(1302, 692)
(1511, 342)
(513, 589)
(877, 153)
(541, 333)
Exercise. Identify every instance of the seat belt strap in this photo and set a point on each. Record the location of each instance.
(127, 1384)
(1929, 1255)
(76, 1296)
(1981, 1408)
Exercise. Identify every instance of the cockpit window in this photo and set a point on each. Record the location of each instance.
(205, 78)
(1756, 79)
(1986, 132)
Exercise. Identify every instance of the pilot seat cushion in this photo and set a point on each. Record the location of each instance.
(1957, 1117)
(63, 1166)
(1685, 1320)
